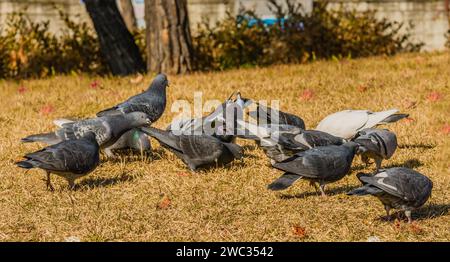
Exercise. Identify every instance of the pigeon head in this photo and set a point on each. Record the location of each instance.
(160, 82)
(138, 119)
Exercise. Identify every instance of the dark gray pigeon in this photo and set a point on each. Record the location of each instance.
(398, 187)
(266, 115)
(107, 129)
(134, 140)
(377, 144)
(321, 165)
(281, 142)
(196, 150)
(152, 102)
(69, 159)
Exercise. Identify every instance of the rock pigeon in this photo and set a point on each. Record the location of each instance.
(134, 140)
(281, 142)
(321, 165)
(398, 187)
(347, 123)
(70, 159)
(375, 143)
(107, 129)
(196, 150)
(220, 123)
(152, 102)
(266, 115)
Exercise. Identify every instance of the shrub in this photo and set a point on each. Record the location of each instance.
(29, 49)
(297, 37)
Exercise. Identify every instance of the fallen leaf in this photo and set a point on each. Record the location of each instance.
(94, 84)
(184, 174)
(415, 228)
(446, 129)
(165, 203)
(434, 96)
(137, 79)
(410, 120)
(22, 89)
(410, 104)
(299, 231)
(72, 239)
(47, 109)
(307, 94)
(362, 88)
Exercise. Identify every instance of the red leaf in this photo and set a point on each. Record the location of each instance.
(410, 120)
(22, 89)
(362, 88)
(165, 203)
(299, 231)
(434, 96)
(94, 84)
(307, 94)
(415, 228)
(446, 129)
(184, 174)
(47, 109)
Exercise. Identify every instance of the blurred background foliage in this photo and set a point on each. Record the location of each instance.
(29, 49)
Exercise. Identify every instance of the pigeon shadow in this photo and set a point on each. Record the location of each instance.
(424, 213)
(332, 192)
(91, 183)
(410, 163)
(420, 145)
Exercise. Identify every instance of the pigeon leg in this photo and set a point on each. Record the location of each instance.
(378, 163)
(312, 183)
(71, 183)
(322, 190)
(49, 183)
(388, 215)
(408, 215)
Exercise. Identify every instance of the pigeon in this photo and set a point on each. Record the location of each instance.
(281, 142)
(107, 129)
(321, 165)
(69, 159)
(375, 143)
(218, 123)
(398, 187)
(196, 150)
(134, 139)
(152, 102)
(348, 123)
(267, 115)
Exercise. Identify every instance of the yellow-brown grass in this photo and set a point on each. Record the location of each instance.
(158, 199)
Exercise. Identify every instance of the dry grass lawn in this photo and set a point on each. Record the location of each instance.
(158, 199)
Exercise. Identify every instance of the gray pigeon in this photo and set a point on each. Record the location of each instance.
(398, 187)
(70, 159)
(321, 165)
(266, 115)
(134, 140)
(107, 129)
(220, 123)
(196, 150)
(152, 102)
(281, 142)
(375, 143)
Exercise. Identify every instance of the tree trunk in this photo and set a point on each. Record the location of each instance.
(127, 10)
(116, 42)
(169, 42)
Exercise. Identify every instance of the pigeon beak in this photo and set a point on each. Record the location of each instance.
(148, 122)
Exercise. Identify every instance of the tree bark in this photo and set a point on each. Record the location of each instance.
(116, 42)
(127, 10)
(168, 36)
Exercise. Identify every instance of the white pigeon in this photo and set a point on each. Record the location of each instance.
(348, 123)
